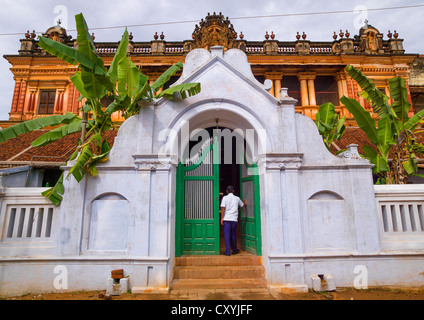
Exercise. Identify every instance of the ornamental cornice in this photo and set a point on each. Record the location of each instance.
(284, 161)
(154, 162)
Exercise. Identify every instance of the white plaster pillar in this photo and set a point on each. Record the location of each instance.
(71, 216)
(292, 216)
(287, 122)
(159, 208)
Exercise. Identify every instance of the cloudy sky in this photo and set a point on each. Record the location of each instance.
(18, 16)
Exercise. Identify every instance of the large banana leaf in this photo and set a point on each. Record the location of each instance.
(380, 164)
(412, 123)
(399, 94)
(79, 169)
(117, 105)
(85, 41)
(120, 53)
(87, 48)
(128, 77)
(372, 93)
(410, 166)
(93, 87)
(181, 89)
(340, 128)
(362, 117)
(35, 124)
(385, 135)
(55, 193)
(164, 77)
(327, 111)
(57, 133)
(79, 84)
(85, 56)
(69, 54)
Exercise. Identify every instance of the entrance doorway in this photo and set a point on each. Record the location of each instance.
(202, 178)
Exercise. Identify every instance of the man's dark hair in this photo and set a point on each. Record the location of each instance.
(230, 189)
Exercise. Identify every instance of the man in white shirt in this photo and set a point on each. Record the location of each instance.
(229, 218)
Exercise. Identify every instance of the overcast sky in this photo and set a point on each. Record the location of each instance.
(22, 15)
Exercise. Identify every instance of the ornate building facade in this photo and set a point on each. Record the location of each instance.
(312, 71)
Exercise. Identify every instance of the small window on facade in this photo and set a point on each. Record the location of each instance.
(293, 86)
(326, 90)
(47, 98)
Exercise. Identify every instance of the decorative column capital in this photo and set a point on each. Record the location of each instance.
(340, 76)
(274, 75)
(306, 75)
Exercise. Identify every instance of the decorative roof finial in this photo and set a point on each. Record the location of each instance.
(366, 23)
(396, 35)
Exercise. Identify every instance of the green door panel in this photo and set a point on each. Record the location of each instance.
(197, 203)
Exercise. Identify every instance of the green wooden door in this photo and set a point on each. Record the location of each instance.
(250, 215)
(197, 203)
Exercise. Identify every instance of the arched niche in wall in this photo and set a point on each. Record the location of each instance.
(109, 221)
(329, 223)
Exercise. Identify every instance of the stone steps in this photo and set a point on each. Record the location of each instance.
(185, 284)
(235, 260)
(218, 272)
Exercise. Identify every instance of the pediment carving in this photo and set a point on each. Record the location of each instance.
(214, 30)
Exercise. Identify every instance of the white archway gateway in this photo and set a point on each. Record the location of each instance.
(317, 212)
(294, 167)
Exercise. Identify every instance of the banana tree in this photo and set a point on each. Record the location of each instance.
(330, 126)
(123, 83)
(393, 130)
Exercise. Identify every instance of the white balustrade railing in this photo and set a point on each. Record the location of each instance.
(400, 210)
(27, 220)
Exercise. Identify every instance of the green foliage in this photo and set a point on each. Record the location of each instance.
(180, 91)
(394, 128)
(330, 125)
(36, 124)
(123, 82)
(55, 194)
